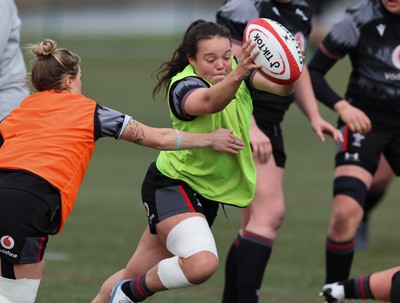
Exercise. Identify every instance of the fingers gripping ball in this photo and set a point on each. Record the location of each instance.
(280, 55)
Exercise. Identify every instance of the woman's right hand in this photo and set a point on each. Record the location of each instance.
(246, 60)
(355, 118)
(223, 140)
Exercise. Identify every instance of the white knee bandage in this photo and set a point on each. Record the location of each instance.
(171, 274)
(191, 236)
(19, 290)
(187, 238)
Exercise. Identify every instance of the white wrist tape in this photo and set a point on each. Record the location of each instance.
(19, 290)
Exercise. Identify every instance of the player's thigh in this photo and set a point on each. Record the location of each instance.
(383, 175)
(150, 250)
(269, 184)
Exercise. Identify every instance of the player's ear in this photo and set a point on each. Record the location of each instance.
(192, 61)
(68, 82)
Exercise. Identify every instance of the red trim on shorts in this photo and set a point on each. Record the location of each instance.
(40, 249)
(186, 198)
(345, 138)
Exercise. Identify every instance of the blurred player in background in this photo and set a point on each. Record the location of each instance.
(326, 14)
(205, 87)
(383, 286)
(48, 142)
(250, 251)
(13, 87)
(369, 116)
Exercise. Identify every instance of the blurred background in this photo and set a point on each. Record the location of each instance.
(136, 16)
(121, 43)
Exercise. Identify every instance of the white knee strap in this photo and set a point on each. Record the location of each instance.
(171, 274)
(19, 290)
(191, 236)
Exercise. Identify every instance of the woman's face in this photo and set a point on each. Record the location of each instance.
(213, 60)
(392, 6)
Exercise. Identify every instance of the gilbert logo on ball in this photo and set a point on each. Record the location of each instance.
(280, 55)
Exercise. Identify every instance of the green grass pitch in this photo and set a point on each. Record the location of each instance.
(108, 218)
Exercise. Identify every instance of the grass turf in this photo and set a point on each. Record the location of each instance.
(108, 218)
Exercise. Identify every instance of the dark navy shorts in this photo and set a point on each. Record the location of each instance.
(164, 197)
(24, 221)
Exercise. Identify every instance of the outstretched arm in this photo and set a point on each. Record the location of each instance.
(173, 139)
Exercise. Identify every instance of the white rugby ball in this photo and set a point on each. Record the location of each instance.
(280, 55)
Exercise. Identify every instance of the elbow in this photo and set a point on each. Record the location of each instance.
(286, 90)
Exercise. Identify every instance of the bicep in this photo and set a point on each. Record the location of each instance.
(188, 98)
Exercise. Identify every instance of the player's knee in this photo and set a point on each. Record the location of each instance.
(351, 187)
(193, 242)
(200, 267)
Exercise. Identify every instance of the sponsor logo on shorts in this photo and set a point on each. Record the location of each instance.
(352, 157)
(396, 57)
(197, 199)
(7, 242)
(147, 208)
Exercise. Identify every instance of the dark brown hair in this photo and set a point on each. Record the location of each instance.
(197, 31)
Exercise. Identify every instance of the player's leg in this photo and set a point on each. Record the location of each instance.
(380, 183)
(149, 252)
(189, 239)
(382, 286)
(24, 285)
(21, 266)
(267, 211)
(181, 219)
(350, 186)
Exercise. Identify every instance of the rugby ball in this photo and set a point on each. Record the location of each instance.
(280, 55)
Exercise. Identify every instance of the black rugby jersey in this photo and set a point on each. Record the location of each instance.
(371, 37)
(295, 16)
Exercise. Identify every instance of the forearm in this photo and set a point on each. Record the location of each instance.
(222, 93)
(163, 138)
(304, 96)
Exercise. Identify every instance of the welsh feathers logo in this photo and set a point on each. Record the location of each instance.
(7, 242)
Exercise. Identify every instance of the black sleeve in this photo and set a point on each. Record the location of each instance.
(178, 94)
(319, 65)
(108, 122)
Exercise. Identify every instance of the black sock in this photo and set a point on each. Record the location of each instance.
(395, 288)
(253, 255)
(136, 289)
(230, 286)
(338, 260)
(358, 288)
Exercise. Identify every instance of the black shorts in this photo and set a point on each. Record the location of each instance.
(24, 220)
(164, 197)
(365, 150)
